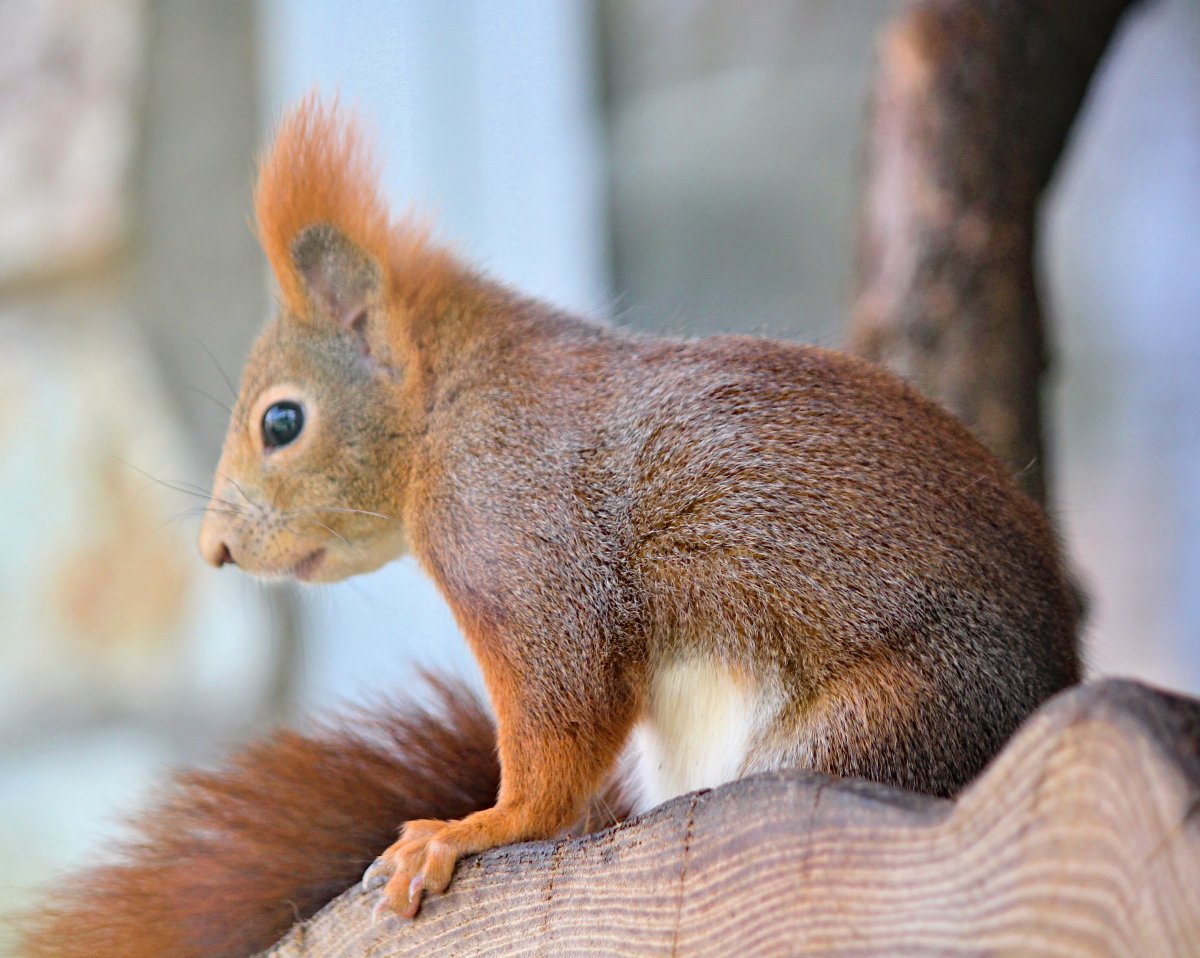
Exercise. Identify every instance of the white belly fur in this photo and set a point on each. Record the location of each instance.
(698, 725)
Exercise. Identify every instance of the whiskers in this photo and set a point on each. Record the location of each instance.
(192, 512)
(333, 532)
(186, 488)
(209, 503)
(236, 485)
(234, 503)
(308, 514)
(360, 512)
(218, 402)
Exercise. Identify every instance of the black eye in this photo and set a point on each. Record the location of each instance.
(281, 424)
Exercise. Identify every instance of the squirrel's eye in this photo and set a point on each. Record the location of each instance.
(281, 424)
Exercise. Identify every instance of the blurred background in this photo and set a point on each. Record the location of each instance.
(681, 165)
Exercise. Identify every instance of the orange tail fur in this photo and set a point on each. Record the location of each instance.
(230, 858)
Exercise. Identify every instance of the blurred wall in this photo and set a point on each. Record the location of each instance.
(735, 138)
(120, 654)
(1122, 271)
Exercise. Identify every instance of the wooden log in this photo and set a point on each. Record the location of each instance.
(974, 100)
(1081, 838)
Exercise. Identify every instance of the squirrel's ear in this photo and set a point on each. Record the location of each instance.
(321, 219)
(340, 280)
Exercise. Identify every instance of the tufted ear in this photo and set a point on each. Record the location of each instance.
(321, 217)
(339, 279)
(334, 249)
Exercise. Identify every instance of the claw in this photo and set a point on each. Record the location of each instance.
(381, 912)
(377, 874)
(415, 889)
(410, 912)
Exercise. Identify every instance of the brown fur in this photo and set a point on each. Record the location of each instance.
(599, 507)
(229, 859)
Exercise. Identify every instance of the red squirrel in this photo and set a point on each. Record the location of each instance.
(676, 562)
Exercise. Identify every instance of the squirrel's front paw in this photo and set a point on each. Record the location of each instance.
(421, 860)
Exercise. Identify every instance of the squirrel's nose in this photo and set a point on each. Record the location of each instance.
(217, 554)
(213, 546)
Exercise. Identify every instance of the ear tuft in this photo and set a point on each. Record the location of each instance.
(321, 221)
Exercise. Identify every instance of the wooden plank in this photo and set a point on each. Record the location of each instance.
(1082, 838)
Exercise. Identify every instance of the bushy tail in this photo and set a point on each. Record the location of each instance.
(230, 858)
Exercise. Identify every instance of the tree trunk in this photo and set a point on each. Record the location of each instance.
(973, 104)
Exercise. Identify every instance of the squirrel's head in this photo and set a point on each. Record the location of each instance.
(312, 475)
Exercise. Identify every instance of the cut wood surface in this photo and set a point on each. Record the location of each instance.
(1082, 838)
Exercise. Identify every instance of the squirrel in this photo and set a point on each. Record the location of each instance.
(676, 562)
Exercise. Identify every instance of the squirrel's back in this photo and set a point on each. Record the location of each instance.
(880, 597)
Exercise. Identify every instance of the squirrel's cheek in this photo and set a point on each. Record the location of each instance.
(356, 555)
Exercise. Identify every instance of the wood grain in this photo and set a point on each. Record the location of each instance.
(1082, 838)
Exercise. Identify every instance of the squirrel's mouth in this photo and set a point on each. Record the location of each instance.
(307, 567)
